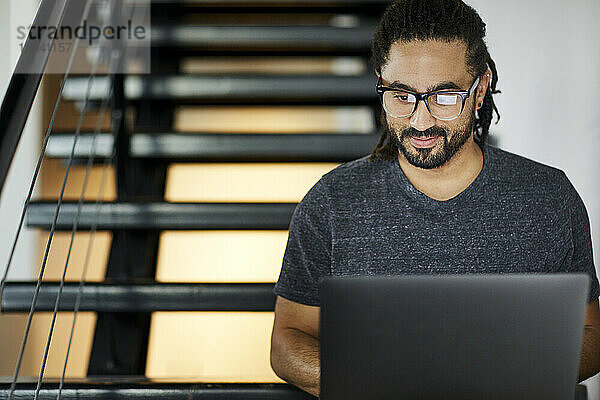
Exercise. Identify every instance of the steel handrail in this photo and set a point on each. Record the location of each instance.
(23, 87)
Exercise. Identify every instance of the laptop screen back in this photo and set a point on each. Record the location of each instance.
(508, 337)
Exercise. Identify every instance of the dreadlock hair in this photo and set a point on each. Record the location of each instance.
(446, 20)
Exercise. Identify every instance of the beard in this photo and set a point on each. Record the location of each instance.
(433, 157)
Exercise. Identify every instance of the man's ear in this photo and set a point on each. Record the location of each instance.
(482, 88)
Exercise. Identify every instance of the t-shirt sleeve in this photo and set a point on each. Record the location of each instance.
(583, 259)
(307, 256)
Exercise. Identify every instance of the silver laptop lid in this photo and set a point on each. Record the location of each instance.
(508, 337)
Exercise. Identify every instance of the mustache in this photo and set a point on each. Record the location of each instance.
(433, 131)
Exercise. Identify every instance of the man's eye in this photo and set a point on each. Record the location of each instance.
(404, 97)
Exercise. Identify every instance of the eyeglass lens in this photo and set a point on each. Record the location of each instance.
(442, 105)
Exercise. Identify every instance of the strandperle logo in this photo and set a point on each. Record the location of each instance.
(87, 38)
(89, 32)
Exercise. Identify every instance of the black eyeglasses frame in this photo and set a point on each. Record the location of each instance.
(464, 94)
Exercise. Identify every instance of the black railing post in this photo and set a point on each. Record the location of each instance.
(121, 339)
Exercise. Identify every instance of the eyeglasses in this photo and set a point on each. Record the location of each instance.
(444, 105)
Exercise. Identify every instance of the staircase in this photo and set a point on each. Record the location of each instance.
(141, 150)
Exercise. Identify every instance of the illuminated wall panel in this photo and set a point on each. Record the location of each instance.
(57, 257)
(13, 326)
(274, 182)
(221, 256)
(211, 346)
(284, 119)
(275, 65)
(53, 175)
(223, 346)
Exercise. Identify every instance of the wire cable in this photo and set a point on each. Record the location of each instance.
(115, 59)
(77, 217)
(52, 229)
(99, 198)
(107, 162)
(36, 172)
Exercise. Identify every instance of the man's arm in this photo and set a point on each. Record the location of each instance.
(590, 353)
(295, 345)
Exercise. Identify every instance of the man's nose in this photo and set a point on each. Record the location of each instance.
(422, 120)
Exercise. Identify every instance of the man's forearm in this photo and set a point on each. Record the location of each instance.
(296, 360)
(590, 354)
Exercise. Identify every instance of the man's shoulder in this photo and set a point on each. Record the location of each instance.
(355, 171)
(518, 169)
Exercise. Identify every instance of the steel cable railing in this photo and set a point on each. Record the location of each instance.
(86, 261)
(114, 56)
(27, 46)
(114, 60)
(51, 234)
(45, 258)
(91, 154)
(52, 229)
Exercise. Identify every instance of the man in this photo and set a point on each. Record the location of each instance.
(433, 197)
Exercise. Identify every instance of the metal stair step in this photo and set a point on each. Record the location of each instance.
(214, 147)
(117, 388)
(234, 89)
(271, 3)
(141, 297)
(163, 216)
(289, 38)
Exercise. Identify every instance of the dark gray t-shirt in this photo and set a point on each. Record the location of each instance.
(366, 218)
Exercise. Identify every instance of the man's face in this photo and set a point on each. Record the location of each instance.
(424, 66)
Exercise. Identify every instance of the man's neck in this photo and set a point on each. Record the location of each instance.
(449, 180)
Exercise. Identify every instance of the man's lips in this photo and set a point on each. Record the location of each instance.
(424, 142)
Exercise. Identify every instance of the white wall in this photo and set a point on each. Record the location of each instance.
(542, 48)
(15, 189)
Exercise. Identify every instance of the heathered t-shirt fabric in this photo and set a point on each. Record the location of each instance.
(366, 218)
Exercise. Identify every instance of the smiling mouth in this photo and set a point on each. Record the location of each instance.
(424, 142)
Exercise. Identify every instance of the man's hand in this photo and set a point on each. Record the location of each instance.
(295, 345)
(590, 353)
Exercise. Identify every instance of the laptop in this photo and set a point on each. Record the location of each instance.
(476, 336)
